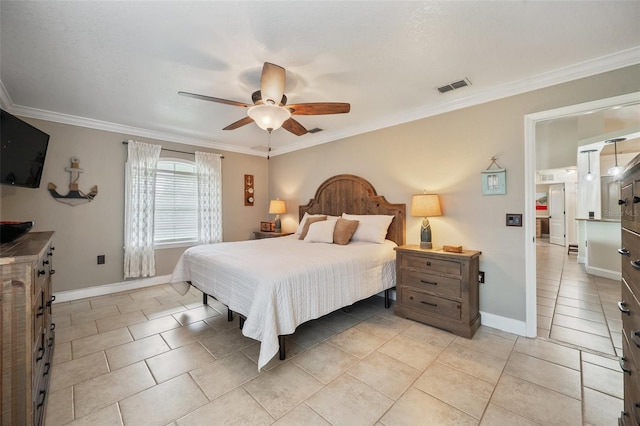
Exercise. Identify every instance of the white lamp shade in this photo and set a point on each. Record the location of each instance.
(269, 117)
(424, 205)
(277, 207)
(615, 170)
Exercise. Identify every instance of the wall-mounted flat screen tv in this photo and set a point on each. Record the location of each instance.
(22, 152)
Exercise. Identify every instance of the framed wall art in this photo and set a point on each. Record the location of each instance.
(494, 182)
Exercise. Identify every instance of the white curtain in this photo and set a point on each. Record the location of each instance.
(209, 171)
(140, 188)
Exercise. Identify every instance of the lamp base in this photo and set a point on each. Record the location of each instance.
(426, 245)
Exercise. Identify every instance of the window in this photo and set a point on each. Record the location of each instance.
(176, 203)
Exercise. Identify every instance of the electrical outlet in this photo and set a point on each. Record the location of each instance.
(481, 277)
(101, 259)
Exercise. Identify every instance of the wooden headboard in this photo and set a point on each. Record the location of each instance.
(354, 195)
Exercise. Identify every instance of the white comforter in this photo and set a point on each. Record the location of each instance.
(279, 283)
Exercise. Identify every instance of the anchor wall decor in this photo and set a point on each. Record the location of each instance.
(75, 196)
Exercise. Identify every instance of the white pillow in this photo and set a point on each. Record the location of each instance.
(321, 232)
(372, 227)
(304, 219)
(307, 215)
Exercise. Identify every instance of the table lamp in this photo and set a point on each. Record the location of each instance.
(424, 205)
(277, 207)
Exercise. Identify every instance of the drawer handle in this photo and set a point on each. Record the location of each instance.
(51, 272)
(40, 311)
(623, 251)
(435, 305)
(43, 395)
(634, 338)
(50, 342)
(636, 264)
(428, 263)
(622, 307)
(622, 360)
(40, 350)
(53, 326)
(45, 262)
(41, 272)
(47, 368)
(636, 199)
(622, 202)
(428, 282)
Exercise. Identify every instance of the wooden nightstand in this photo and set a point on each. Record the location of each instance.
(438, 288)
(258, 235)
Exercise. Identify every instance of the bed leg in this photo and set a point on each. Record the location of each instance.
(241, 321)
(229, 315)
(204, 298)
(387, 302)
(282, 348)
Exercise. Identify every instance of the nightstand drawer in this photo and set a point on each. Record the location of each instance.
(440, 285)
(430, 264)
(431, 305)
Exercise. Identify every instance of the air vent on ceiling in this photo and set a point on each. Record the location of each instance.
(315, 130)
(455, 85)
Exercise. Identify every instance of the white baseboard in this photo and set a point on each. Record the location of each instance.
(605, 273)
(101, 290)
(509, 325)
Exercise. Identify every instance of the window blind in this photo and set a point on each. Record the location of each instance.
(176, 203)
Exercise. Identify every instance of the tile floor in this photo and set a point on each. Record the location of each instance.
(152, 357)
(575, 307)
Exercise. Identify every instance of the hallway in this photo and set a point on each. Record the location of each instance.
(575, 307)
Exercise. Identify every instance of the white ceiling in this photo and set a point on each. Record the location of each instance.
(119, 65)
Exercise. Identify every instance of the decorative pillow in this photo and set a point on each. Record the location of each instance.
(321, 232)
(344, 231)
(307, 223)
(304, 219)
(372, 227)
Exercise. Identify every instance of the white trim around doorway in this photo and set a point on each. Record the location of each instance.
(530, 122)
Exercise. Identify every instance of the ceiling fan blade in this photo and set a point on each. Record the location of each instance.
(272, 83)
(239, 123)
(212, 99)
(294, 127)
(319, 108)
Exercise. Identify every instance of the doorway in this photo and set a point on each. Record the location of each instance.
(530, 188)
(557, 217)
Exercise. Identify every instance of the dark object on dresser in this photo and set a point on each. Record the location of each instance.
(26, 329)
(10, 231)
(629, 305)
(439, 288)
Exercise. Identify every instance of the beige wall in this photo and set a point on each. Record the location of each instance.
(445, 154)
(88, 230)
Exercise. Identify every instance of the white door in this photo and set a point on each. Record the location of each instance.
(556, 214)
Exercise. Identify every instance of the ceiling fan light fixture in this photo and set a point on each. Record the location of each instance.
(269, 117)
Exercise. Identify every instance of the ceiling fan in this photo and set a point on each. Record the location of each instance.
(270, 110)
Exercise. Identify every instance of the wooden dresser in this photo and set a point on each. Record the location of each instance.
(629, 305)
(26, 330)
(438, 288)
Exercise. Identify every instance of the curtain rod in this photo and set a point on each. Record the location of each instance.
(171, 150)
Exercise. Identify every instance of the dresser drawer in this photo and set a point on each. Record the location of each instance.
(437, 284)
(630, 256)
(431, 305)
(430, 264)
(630, 309)
(626, 209)
(631, 373)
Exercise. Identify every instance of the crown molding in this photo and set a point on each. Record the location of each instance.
(90, 123)
(599, 65)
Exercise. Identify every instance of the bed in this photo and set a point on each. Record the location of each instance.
(276, 284)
